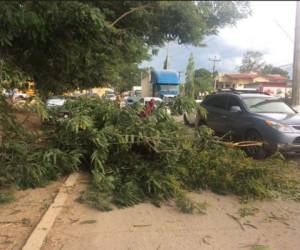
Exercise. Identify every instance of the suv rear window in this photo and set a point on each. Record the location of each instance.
(217, 102)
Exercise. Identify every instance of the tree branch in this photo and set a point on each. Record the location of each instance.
(127, 13)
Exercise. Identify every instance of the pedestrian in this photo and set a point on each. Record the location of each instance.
(119, 100)
(148, 108)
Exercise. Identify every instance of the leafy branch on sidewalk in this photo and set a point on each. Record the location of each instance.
(133, 159)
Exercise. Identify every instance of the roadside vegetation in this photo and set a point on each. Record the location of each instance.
(133, 159)
(72, 45)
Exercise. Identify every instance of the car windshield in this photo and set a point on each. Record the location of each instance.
(267, 105)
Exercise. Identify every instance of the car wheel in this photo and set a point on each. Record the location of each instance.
(256, 152)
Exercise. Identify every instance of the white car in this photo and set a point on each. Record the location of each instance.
(20, 95)
(111, 97)
(129, 100)
(297, 108)
(145, 100)
(56, 101)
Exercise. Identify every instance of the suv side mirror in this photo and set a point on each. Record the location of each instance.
(235, 109)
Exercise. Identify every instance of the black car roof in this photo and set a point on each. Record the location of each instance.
(242, 93)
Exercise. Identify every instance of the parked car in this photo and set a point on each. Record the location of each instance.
(129, 100)
(255, 117)
(55, 101)
(20, 96)
(145, 100)
(110, 96)
(14, 94)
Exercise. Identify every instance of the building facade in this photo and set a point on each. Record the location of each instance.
(272, 84)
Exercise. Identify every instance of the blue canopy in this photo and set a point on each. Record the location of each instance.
(164, 77)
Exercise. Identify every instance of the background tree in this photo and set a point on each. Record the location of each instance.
(64, 45)
(189, 88)
(130, 77)
(203, 80)
(11, 77)
(252, 61)
(270, 69)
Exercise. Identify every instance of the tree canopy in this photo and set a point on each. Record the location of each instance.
(203, 80)
(189, 89)
(270, 69)
(79, 44)
(253, 61)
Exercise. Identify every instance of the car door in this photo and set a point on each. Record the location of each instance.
(217, 113)
(235, 118)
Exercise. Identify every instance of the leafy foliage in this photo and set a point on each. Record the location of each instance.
(253, 61)
(179, 105)
(189, 87)
(25, 160)
(65, 45)
(134, 159)
(203, 80)
(270, 69)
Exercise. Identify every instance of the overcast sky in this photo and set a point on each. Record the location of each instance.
(269, 30)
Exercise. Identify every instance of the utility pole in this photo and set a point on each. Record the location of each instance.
(214, 60)
(296, 66)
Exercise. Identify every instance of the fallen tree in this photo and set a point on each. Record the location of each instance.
(133, 159)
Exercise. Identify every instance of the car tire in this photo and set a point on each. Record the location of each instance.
(257, 152)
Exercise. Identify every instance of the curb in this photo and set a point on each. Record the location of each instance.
(37, 237)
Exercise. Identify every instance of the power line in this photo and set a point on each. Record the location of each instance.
(283, 30)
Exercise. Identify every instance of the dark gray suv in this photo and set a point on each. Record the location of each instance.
(254, 116)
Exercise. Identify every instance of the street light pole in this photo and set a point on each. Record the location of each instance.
(296, 66)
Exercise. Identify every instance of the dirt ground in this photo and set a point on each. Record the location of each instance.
(18, 218)
(276, 225)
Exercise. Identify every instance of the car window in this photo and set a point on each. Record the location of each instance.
(217, 102)
(267, 105)
(233, 101)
